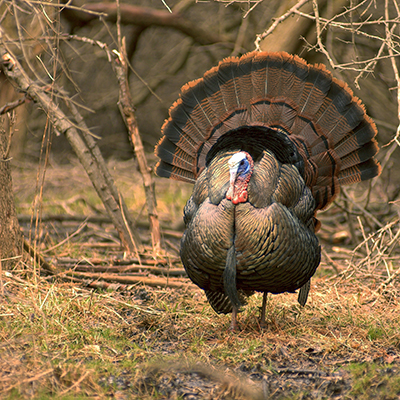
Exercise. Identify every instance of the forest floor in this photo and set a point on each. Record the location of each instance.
(81, 333)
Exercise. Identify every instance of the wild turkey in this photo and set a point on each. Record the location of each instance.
(268, 140)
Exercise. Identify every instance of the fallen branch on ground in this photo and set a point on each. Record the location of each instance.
(174, 283)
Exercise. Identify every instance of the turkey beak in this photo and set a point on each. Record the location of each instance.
(233, 171)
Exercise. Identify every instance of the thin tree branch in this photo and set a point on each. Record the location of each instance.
(125, 105)
(12, 106)
(319, 39)
(390, 46)
(87, 155)
(277, 21)
(142, 16)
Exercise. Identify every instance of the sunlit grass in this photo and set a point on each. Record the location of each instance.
(92, 336)
(60, 340)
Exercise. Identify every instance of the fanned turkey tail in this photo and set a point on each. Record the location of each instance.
(319, 113)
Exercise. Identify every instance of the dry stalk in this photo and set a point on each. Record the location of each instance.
(388, 281)
(120, 64)
(126, 220)
(68, 389)
(39, 259)
(377, 264)
(363, 211)
(127, 111)
(331, 262)
(88, 156)
(68, 238)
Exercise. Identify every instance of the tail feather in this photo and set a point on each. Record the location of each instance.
(213, 92)
(227, 84)
(290, 82)
(362, 172)
(245, 80)
(219, 301)
(169, 171)
(361, 135)
(273, 67)
(318, 83)
(312, 135)
(340, 112)
(194, 100)
(258, 75)
(172, 154)
(183, 121)
(358, 156)
(296, 72)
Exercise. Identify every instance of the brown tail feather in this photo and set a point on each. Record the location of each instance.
(361, 172)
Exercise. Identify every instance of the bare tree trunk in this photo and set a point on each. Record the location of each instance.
(10, 234)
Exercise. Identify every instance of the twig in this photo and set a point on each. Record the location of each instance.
(68, 6)
(370, 66)
(97, 261)
(128, 114)
(368, 258)
(79, 230)
(39, 259)
(134, 269)
(319, 40)
(257, 2)
(154, 282)
(145, 17)
(166, 6)
(75, 383)
(86, 155)
(390, 46)
(277, 21)
(388, 281)
(330, 262)
(362, 209)
(13, 105)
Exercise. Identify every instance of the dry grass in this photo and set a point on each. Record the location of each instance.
(61, 339)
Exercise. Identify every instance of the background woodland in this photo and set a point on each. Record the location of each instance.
(94, 294)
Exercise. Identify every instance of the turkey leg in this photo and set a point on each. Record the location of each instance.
(264, 305)
(234, 325)
(303, 294)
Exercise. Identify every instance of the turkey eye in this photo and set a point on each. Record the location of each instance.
(241, 162)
